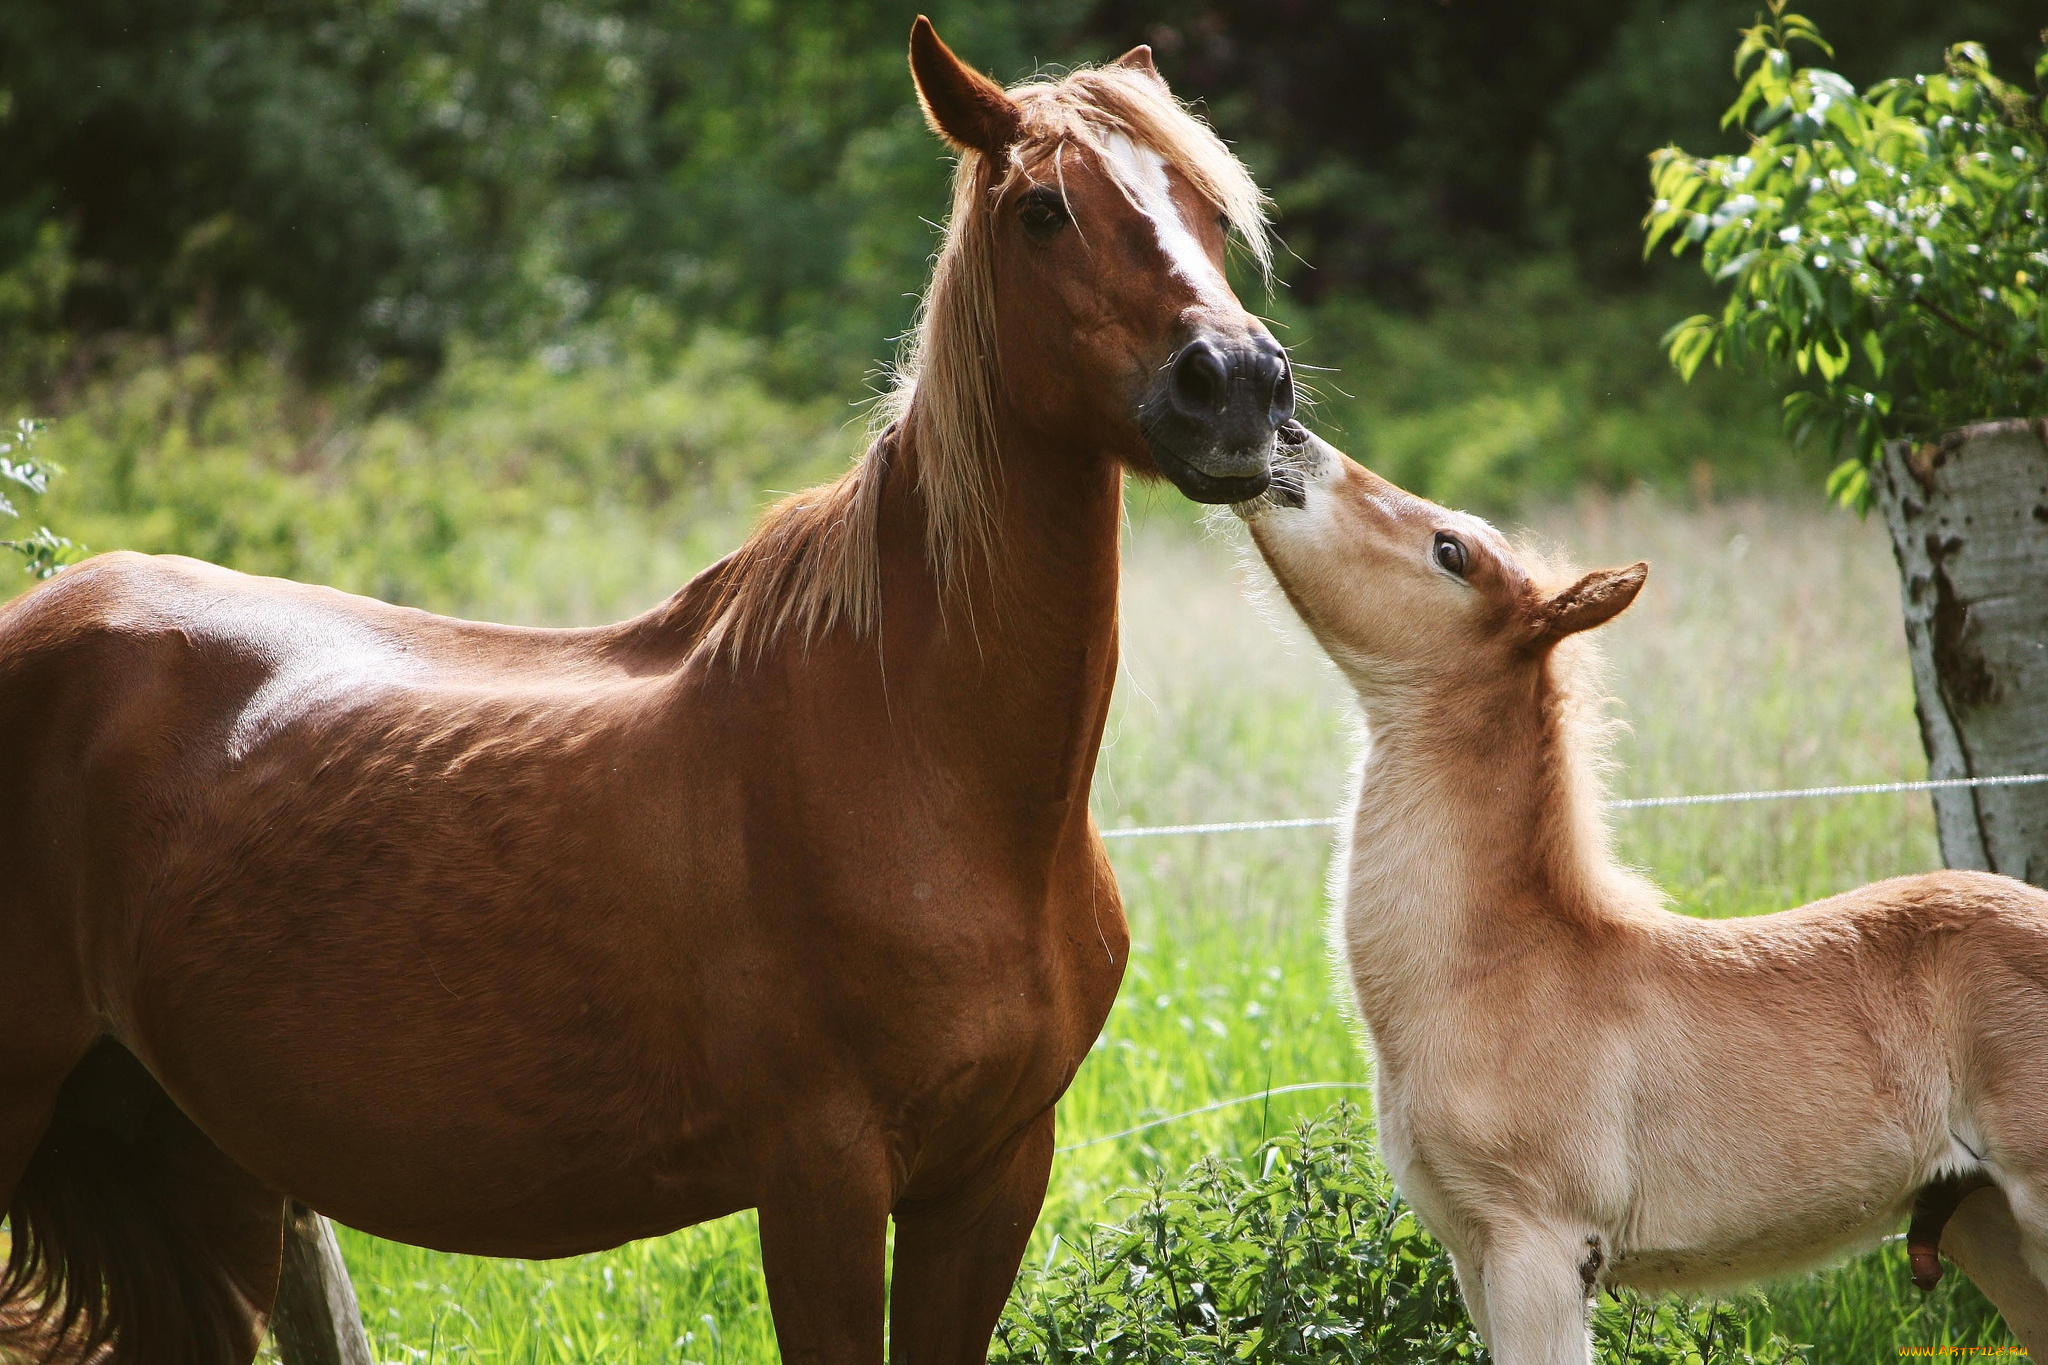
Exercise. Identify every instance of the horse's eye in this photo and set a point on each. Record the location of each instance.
(1042, 214)
(1223, 223)
(1450, 553)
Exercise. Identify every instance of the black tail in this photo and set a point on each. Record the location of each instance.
(105, 1251)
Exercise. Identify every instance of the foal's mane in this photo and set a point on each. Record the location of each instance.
(1578, 733)
(813, 562)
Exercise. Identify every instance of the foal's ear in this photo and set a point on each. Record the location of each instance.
(1139, 58)
(963, 106)
(1594, 600)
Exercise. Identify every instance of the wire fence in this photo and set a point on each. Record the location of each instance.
(1265, 1094)
(1630, 803)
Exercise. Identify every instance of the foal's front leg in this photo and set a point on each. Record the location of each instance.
(1535, 1291)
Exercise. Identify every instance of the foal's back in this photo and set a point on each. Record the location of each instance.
(1950, 964)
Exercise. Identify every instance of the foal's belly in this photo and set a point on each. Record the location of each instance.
(1767, 1255)
(1708, 1248)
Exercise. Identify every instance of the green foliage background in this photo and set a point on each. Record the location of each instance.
(289, 223)
(524, 306)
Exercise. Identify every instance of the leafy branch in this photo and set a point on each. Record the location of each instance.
(1890, 245)
(43, 552)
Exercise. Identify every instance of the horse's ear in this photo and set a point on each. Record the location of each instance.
(1594, 600)
(963, 106)
(1139, 58)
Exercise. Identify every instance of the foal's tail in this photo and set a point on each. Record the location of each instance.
(111, 1259)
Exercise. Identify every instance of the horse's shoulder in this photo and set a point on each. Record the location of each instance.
(126, 590)
(135, 615)
(120, 591)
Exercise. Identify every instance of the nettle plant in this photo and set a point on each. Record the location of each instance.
(1891, 245)
(1305, 1255)
(43, 552)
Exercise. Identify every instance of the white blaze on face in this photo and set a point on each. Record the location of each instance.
(1142, 173)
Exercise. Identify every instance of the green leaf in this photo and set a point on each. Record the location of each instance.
(1829, 362)
(1689, 343)
(1799, 28)
(1842, 482)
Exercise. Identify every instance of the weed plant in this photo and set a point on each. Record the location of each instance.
(1309, 1255)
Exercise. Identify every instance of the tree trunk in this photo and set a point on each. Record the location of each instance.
(316, 1321)
(1969, 525)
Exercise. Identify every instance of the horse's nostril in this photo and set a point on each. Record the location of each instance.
(1200, 380)
(1282, 404)
(1274, 379)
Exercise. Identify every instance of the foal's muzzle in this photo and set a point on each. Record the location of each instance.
(1211, 417)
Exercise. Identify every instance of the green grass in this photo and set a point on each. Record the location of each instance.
(1765, 652)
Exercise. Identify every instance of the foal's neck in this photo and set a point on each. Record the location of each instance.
(1475, 840)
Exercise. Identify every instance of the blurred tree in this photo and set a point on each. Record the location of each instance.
(371, 176)
(1402, 138)
(365, 178)
(210, 156)
(42, 552)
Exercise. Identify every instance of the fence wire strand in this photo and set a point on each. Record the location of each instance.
(1212, 1108)
(1628, 803)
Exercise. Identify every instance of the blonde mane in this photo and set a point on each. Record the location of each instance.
(812, 565)
(1580, 730)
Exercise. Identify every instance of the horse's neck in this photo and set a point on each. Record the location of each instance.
(1021, 662)
(1465, 856)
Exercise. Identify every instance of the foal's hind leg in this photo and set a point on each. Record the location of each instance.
(1987, 1243)
(956, 1257)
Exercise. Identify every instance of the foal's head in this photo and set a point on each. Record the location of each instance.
(1085, 257)
(1407, 596)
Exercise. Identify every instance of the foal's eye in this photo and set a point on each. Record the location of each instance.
(1042, 214)
(1450, 553)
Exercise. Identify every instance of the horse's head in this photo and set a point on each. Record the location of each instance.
(1407, 595)
(1091, 216)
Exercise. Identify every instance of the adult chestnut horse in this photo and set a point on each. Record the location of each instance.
(784, 895)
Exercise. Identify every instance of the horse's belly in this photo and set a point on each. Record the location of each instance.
(465, 1100)
(572, 1218)
(451, 1165)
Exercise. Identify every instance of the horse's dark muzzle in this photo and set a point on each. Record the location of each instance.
(1211, 419)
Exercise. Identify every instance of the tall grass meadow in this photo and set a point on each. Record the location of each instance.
(1766, 652)
(587, 480)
